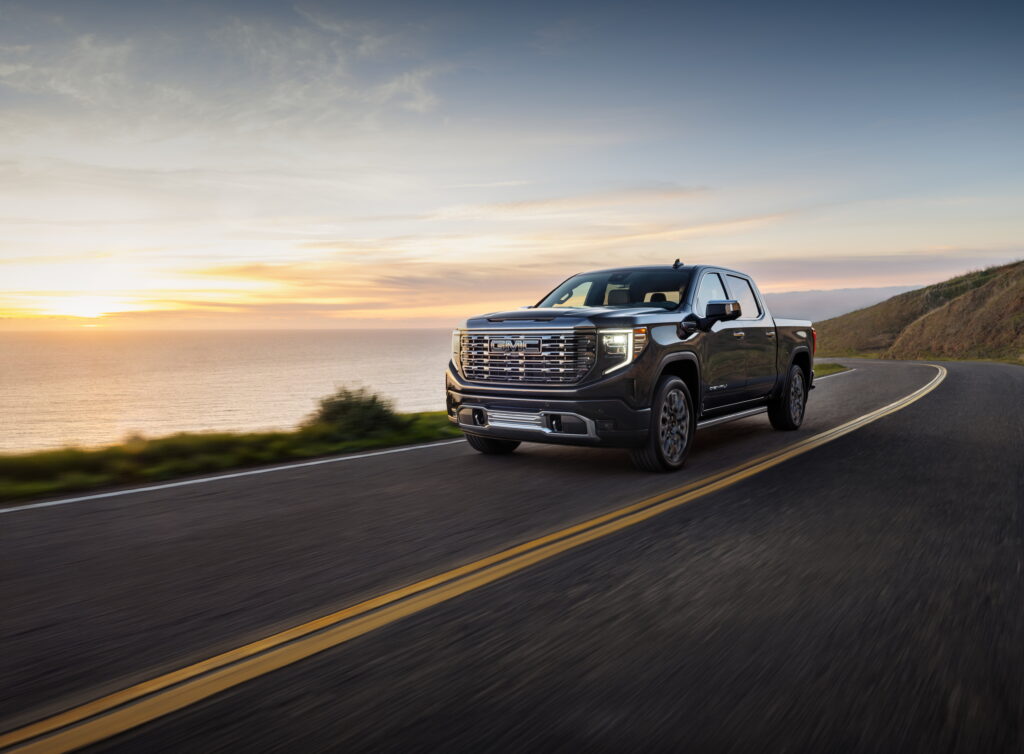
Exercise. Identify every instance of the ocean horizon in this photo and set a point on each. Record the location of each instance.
(95, 387)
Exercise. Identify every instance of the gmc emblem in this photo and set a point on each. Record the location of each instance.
(513, 345)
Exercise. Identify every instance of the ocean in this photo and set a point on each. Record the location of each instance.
(94, 387)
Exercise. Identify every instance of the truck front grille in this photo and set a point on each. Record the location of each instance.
(561, 357)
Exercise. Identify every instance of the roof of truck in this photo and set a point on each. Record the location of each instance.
(664, 268)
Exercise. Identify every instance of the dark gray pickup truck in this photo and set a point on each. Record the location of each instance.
(635, 357)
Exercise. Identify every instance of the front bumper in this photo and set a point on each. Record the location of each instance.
(606, 422)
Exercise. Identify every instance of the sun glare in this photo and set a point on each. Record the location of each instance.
(88, 307)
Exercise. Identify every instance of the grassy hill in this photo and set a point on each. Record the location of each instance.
(979, 315)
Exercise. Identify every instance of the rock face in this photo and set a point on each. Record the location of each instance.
(975, 316)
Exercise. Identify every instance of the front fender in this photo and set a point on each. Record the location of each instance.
(664, 365)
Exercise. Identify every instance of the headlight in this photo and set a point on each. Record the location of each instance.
(457, 349)
(620, 347)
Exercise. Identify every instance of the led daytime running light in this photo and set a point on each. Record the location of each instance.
(634, 341)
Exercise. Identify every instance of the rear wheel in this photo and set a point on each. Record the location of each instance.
(787, 411)
(491, 445)
(673, 424)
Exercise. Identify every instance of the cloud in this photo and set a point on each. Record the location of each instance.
(339, 284)
(410, 89)
(922, 267)
(490, 184)
(244, 73)
(342, 290)
(646, 195)
(632, 195)
(84, 69)
(310, 165)
(363, 39)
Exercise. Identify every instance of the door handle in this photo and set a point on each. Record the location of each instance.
(771, 333)
(738, 333)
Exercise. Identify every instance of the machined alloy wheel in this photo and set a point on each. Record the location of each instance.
(797, 397)
(673, 424)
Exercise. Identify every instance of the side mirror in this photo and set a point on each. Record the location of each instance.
(525, 307)
(689, 326)
(721, 311)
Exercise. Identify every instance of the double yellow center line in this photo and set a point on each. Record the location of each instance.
(149, 700)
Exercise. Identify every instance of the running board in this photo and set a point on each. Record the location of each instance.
(732, 417)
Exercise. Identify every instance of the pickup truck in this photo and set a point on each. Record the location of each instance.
(632, 357)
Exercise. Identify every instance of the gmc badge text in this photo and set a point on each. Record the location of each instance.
(637, 357)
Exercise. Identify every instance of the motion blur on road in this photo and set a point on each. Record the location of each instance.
(864, 595)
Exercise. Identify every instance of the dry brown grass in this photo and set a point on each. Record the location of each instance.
(975, 316)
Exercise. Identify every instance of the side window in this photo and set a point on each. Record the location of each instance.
(743, 293)
(711, 289)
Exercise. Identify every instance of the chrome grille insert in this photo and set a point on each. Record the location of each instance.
(514, 418)
(543, 357)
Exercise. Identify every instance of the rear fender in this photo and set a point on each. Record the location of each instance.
(780, 378)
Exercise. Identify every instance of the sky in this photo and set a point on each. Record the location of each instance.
(380, 164)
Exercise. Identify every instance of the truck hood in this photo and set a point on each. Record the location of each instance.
(597, 316)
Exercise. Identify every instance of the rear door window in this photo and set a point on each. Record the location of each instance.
(744, 293)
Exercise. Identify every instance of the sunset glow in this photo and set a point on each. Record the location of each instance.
(319, 165)
(85, 306)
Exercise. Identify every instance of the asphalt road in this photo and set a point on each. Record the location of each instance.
(867, 595)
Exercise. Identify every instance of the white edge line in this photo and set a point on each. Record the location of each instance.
(835, 374)
(253, 472)
(218, 477)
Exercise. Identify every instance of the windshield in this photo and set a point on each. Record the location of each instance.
(663, 289)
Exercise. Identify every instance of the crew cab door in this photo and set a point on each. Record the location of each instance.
(758, 339)
(724, 363)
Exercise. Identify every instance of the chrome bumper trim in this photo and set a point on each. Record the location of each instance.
(533, 421)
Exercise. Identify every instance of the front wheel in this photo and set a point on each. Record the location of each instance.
(787, 411)
(490, 445)
(673, 425)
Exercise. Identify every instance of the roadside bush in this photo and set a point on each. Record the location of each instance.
(354, 414)
(349, 420)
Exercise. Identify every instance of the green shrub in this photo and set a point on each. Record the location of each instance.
(349, 420)
(354, 414)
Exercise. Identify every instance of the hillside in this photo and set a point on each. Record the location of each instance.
(979, 315)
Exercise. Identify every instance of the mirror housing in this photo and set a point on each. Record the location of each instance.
(721, 311)
(689, 325)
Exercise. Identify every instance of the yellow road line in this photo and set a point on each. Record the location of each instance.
(128, 708)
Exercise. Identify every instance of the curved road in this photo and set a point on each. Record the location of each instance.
(864, 595)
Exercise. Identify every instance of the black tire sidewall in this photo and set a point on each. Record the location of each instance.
(665, 385)
(796, 372)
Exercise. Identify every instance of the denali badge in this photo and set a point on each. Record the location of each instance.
(514, 345)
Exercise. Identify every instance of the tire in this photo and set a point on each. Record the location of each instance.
(673, 425)
(786, 412)
(490, 445)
